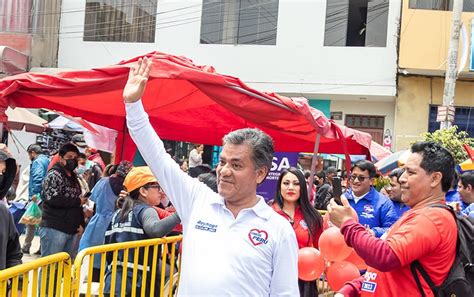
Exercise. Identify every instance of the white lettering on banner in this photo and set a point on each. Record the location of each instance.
(273, 176)
(283, 164)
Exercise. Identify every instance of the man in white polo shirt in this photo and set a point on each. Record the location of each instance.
(234, 244)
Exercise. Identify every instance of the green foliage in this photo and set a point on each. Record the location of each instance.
(380, 182)
(452, 140)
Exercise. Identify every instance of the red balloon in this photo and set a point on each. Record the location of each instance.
(332, 245)
(355, 259)
(310, 264)
(341, 272)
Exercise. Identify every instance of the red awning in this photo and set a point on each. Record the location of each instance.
(185, 102)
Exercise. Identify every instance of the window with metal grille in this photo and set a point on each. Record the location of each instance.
(239, 22)
(468, 5)
(356, 23)
(120, 20)
(463, 118)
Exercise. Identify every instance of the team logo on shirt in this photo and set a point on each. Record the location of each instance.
(258, 237)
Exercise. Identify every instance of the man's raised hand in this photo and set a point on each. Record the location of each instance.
(137, 79)
(338, 214)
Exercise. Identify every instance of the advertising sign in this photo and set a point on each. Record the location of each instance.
(281, 161)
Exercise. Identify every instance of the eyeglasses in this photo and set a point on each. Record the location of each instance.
(361, 178)
(154, 186)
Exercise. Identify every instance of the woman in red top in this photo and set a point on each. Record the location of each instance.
(292, 202)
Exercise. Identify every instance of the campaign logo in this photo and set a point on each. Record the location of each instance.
(303, 225)
(368, 212)
(369, 287)
(258, 237)
(368, 208)
(200, 225)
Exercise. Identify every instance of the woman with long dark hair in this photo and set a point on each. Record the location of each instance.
(292, 202)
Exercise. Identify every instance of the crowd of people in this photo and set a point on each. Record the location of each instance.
(235, 243)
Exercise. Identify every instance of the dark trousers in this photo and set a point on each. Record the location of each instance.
(307, 289)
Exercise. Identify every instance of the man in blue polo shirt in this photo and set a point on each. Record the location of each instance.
(375, 211)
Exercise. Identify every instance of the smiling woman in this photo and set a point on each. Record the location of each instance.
(292, 202)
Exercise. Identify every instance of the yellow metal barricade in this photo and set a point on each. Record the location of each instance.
(324, 289)
(54, 275)
(47, 276)
(168, 272)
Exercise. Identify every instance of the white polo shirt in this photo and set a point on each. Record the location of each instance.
(254, 254)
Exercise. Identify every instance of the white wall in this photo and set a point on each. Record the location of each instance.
(18, 145)
(299, 63)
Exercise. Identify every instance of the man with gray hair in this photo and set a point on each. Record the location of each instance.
(38, 170)
(234, 243)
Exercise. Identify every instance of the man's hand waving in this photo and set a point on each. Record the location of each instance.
(137, 80)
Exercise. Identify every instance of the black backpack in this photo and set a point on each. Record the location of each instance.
(460, 280)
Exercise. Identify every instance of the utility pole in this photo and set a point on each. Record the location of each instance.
(446, 111)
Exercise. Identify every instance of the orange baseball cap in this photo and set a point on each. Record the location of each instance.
(138, 177)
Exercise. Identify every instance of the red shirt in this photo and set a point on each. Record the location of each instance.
(300, 227)
(428, 234)
(162, 213)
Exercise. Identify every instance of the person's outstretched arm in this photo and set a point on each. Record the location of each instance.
(181, 188)
(155, 227)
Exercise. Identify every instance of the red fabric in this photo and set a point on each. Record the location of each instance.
(185, 102)
(163, 214)
(352, 289)
(300, 227)
(425, 233)
(469, 151)
(54, 160)
(375, 251)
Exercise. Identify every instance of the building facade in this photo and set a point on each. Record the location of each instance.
(424, 41)
(29, 33)
(339, 54)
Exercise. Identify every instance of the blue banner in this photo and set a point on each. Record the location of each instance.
(281, 161)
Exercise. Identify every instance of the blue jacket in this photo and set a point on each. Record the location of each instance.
(453, 196)
(375, 211)
(38, 170)
(469, 211)
(400, 208)
(129, 230)
(94, 234)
